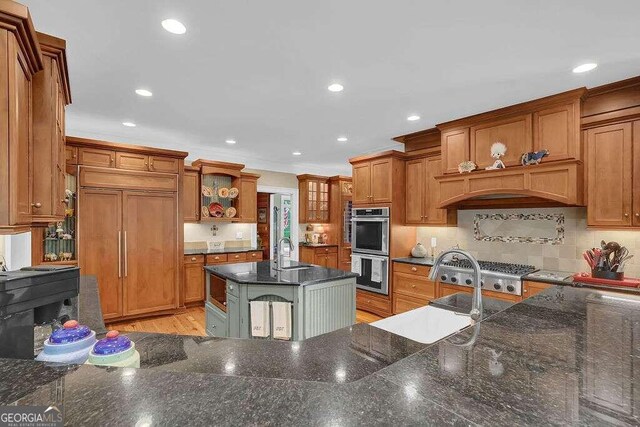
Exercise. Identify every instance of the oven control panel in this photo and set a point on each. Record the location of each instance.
(492, 281)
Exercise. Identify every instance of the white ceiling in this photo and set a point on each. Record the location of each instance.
(257, 71)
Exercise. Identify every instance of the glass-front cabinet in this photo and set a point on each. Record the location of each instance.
(314, 199)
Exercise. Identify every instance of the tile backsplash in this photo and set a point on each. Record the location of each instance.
(201, 232)
(566, 256)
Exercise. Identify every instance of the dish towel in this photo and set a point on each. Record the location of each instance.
(281, 320)
(259, 319)
(376, 270)
(355, 266)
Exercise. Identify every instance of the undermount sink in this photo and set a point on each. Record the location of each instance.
(425, 325)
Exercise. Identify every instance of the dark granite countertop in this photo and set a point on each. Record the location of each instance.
(220, 251)
(565, 356)
(264, 273)
(317, 245)
(428, 261)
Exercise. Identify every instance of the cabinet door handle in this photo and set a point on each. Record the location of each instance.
(626, 215)
(637, 215)
(126, 263)
(413, 286)
(36, 205)
(193, 258)
(111, 160)
(119, 254)
(414, 269)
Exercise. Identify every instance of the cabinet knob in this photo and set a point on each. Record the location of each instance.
(237, 256)
(413, 286)
(36, 205)
(111, 160)
(368, 301)
(414, 269)
(217, 258)
(626, 215)
(193, 258)
(637, 215)
(230, 287)
(525, 291)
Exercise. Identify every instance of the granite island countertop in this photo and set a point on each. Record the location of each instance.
(265, 273)
(555, 358)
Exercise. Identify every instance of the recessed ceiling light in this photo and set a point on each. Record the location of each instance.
(144, 92)
(335, 87)
(230, 141)
(583, 68)
(296, 153)
(342, 139)
(174, 26)
(413, 118)
(129, 124)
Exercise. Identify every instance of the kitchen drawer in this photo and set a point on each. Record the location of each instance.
(402, 303)
(419, 270)
(242, 257)
(373, 303)
(232, 289)
(327, 250)
(194, 259)
(254, 256)
(413, 285)
(216, 321)
(216, 259)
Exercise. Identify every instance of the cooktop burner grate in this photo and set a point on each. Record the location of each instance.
(499, 267)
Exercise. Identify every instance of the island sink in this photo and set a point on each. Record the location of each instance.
(425, 325)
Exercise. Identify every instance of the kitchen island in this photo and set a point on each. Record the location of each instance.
(565, 356)
(318, 299)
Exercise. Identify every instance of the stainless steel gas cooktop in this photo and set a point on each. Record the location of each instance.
(496, 276)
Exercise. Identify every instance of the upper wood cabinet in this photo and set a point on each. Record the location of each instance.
(50, 96)
(132, 161)
(191, 194)
(551, 123)
(20, 59)
(610, 162)
(248, 209)
(423, 195)
(455, 149)
(89, 156)
(314, 199)
(373, 177)
(163, 164)
(514, 132)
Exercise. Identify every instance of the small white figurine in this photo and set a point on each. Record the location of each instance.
(498, 149)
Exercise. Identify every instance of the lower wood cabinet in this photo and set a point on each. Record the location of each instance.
(373, 303)
(136, 265)
(325, 256)
(193, 278)
(411, 287)
(530, 289)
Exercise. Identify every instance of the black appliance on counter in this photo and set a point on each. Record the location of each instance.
(33, 301)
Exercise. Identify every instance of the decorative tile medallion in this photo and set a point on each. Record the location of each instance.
(478, 234)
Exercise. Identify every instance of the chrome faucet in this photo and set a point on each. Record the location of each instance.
(280, 257)
(476, 302)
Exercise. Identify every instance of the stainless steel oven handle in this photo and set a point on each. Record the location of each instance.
(369, 219)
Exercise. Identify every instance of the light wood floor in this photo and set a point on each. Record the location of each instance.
(191, 322)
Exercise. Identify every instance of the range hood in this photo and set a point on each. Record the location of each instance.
(557, 183)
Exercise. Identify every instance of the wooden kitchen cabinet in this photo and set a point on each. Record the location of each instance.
(455, 149)
(71, 155)
(132, 161)
(557, 129)
(89, 156)
(324, 256)
(193, 280)
(374, 177)
(20, 59)
(530, 289)
(514, 132)
(373, 303)
(50, 96)
(314, 199)
(423, 193)
(191, 194)
(163, 164)
(411, 287)
(610, 164)
(149, 252)
(248, 198)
